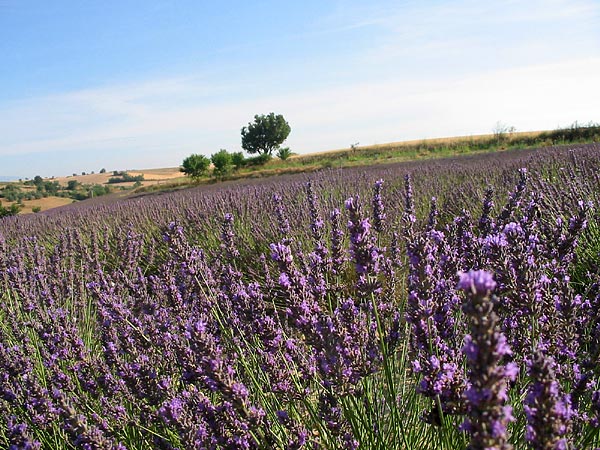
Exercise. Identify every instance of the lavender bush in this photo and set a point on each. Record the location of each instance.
(456, 307)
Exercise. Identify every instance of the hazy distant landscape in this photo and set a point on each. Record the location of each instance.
(44, 194)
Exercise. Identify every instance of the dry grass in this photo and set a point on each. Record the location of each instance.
(168, 173)
(96, 178)
(432, 141)
(44, 203)
(152, 176)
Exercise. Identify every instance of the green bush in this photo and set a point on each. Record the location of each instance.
(124, 177)
(284, 153)
(238, 160)
(259, 160)
(98, 190)
(12, 211)
(222, 162)
(72, 185)
(195, 166)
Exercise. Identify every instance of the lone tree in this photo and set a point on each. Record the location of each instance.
(266, 134)
(194, 166)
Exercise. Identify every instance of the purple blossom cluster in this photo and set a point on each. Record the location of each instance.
(283, 314)
(547, 408)
(485, 349)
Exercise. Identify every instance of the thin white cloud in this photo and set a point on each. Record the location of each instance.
(534, 97)
(472, 32)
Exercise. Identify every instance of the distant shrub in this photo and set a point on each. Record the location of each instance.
(10, 192)
(222, 162)
(72, 185)
(98, 190)
(259, 160)
(124, 178)
(51, 187)
(103, 170)
(284, 153)
(36, 209)
(195, 166)
(238, 160)
(12, 211)
(79, 195)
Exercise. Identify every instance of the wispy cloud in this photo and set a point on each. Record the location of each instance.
(150, 115)
(472, 33)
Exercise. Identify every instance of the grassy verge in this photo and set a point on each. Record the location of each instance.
(402, 152)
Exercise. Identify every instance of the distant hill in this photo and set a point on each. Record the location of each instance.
(8, 178)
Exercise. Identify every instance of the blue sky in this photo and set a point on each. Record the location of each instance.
(142, 84)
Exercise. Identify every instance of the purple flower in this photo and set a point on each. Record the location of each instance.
(485, 347)
(548, 411)
(19, 437)
(367, 256)
(379, 215)
(478, 282)
(284, 280)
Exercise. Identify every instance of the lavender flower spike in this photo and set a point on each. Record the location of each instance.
(378, 207)
(488, 414)
(365, 253)
(548, 411)
(477, 282)
(18, 436)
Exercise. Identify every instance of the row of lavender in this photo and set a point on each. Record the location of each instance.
(235, 318)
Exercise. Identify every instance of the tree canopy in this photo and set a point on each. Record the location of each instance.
(222, 163)
(195, 166)
(265, 134)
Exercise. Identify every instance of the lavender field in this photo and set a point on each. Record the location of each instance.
(433, 305)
